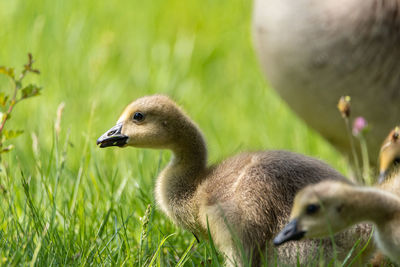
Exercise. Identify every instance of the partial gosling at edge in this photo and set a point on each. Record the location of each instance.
(389, 155)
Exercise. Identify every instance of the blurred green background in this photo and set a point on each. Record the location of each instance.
(96, 57)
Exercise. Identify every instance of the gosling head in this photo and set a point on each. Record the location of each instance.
(318, 211)
(389, 155)
(149, 122)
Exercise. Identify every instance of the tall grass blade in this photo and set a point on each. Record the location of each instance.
(361, 250)
(214, 254)
(39, 245)
(184, 257)
(155, 256)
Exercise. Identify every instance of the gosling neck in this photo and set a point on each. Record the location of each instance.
(190, 153)
(368, 204)
(177, 183)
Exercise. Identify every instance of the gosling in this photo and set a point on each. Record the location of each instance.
(248, 196)
(389, 176)
(330, 206)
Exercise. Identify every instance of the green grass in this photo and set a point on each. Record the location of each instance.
(65, 201)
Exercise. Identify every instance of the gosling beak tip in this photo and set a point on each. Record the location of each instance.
(98, 141)
(290, 232)
(112, 137)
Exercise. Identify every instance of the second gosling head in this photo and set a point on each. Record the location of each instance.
(317, 211)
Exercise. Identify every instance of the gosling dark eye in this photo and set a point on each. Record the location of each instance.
(138, 116)
(312, 208)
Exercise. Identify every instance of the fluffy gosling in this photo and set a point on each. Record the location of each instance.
(249, 194)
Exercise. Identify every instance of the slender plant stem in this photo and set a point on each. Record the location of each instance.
(365, 159)
(354, 152)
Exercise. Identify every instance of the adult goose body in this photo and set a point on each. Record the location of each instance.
(313, 52)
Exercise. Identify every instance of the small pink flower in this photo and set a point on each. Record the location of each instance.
(359, 125)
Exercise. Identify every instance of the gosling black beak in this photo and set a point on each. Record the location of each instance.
(382, 177)
(113, 137)
(290, 232)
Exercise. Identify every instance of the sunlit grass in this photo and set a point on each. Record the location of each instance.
(68, 202)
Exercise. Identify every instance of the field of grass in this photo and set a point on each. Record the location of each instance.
(65, 201)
